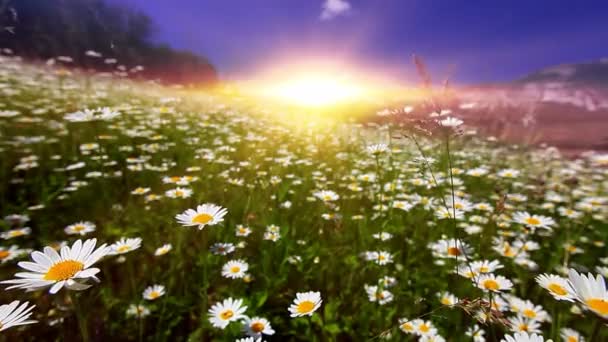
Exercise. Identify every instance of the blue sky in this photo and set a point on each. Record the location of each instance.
(481, 41)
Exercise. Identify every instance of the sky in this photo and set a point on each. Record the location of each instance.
(469, 41)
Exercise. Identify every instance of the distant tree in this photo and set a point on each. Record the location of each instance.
(49, 28)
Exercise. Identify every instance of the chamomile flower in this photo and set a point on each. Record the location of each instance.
(523, 324)
(222, 248)
(205, 215)
(490, 282)
(257, 326)
(327, 195)
(125, 245)
(242, 230)
(377, 148)
(13, 233)
(571, 335)
(179, 193)
(11, 253)
(71, 268)
(533, 221)
(235, 269)
(153, 292)
(375, 294)
(590, 291)
(162, 250)
(229, 310)
(448, 299)
(139, 311)
(81, 228)
(523, 337)
(424, 328)
(557, 286)
(305, 304)
(14, 314)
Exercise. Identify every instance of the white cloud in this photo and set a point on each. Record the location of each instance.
(334, 8)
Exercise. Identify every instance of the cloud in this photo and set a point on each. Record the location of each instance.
(334, 8)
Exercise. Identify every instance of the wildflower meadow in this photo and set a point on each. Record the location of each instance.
(133, 211)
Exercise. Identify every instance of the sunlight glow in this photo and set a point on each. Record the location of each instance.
(315, 91)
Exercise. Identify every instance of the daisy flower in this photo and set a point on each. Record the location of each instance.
(221, 248)
(557, 286)
(230, 310)
(8, 254)
(125, 245)
(205, 214)
(305, 303)
(571, 335)
(179, 193)
(523, 337)
(235, 269)
(486, 266)
(490, 282)
(140, 191)
(523, 324)
(590, 291)
(451, 122)
(533, 221)
(256, 326)
(153, 292)
(242, 230)
(448, 299)
(81, 228)
(70, 269)
(162, 250)
(14, 314)
(424, 328)
(327, 195)
(451, 248)
(377, 148)
(376, 295)
(138, 311)
(13, 233)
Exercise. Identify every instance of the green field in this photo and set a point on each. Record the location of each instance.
(405, 235)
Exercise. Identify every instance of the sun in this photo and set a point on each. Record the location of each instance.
(315, 91)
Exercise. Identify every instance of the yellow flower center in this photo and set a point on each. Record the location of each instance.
(453, 251)
(202, 218)
(123, 249)
(407, 326)
(484, 269)
(79, 228)
(327, 198)
(257, 327)
(529, 313)
(446, 301)
(598, 305)
(572, 339)
(491, 284)
(424, 328)
(532, 221)
(63, 270)
(4, 254)
(154, 294)
(235, 269)
(16, 233)
(557, 289)
(523, 327)
(305, 307)
(179, 193)
(225, 315)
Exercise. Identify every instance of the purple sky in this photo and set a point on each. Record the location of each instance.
(483, 41)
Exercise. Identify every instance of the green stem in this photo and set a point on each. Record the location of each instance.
(80, 316)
